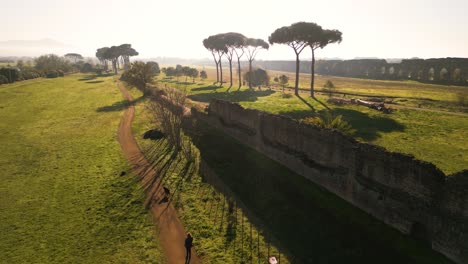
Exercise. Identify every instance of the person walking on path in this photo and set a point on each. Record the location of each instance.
(188, 246)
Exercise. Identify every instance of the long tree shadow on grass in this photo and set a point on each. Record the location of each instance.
(236, 96)
(119, 106)
(314, 225)
(299, 114)
(367, 127)
(206, 88)
(94, 76)
(306, 103)
(88, 78)
(95, 82)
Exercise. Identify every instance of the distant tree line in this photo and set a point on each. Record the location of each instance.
(116, 56)
(186, 71)
(49, 66)
(298, 36)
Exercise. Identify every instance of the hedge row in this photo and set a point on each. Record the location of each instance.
(11, 75)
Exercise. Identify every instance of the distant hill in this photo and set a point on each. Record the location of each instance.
(33, 47)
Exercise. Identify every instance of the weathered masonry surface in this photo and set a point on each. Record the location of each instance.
(443, 70)
(411, 195)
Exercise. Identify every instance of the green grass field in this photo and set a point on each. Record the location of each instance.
(7, 64)
(62, 199)
(439, 138)
(405, 93)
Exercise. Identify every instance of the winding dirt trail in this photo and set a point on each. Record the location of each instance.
(169, 227)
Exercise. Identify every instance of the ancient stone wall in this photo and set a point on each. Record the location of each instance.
(408, 194)
(443, 70)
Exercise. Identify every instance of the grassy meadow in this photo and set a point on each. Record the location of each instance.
(437, 136)
(7, 64)
(405, 93)
(62, 199)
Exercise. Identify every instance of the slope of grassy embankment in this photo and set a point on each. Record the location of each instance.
(62, 199)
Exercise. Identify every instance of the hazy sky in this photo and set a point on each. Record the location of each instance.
(171, 28)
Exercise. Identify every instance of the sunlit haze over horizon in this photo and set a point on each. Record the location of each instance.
(371, 28)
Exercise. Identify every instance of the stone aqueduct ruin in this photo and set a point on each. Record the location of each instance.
(413, 196)
(443, 70)
(449, 70)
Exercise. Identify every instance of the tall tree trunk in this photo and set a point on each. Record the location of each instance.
(230, 71)
(312, 74)
(239, 68)
(114, 65)
(250, 74)
(217, 71)
(220, 72)
(296, 86)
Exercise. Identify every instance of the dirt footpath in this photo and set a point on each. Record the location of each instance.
(169, 227)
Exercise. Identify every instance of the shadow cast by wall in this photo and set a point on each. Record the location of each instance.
(315, 225)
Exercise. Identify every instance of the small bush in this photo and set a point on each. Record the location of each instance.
(328, 84)
(140, 75)
(52, 74)
(259, 77)
(329, 87)
(286, 95)
(86, 67)
(12, 74)
(28, 74)
(3, 79)
(328, 121)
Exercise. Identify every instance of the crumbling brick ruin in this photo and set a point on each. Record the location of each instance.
(443, 70)
(410, 195)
